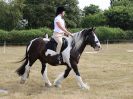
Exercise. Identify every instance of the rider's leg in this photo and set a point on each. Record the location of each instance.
(59, 44)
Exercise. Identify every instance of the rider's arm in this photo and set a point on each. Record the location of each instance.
(63, 28)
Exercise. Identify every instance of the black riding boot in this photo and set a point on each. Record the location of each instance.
(59, 58)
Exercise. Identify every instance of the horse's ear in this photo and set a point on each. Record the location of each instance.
(93, 28)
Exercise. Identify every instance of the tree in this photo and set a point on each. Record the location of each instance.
(40, 13)
(9, 15)
(119, 17)
(93, 16)
(120, 14)
(120, 3)
(92, 9)
(97, 19)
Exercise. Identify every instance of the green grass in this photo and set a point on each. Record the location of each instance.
(108, 72)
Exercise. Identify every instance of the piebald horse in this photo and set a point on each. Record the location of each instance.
(38, 49)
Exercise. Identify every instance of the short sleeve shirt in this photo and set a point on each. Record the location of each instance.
(62, 22)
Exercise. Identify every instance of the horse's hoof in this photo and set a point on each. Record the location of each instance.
(58, 86)
(85, 87)
(48, 85)
(22, 81)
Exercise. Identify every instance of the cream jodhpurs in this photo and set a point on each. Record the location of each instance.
(59, 44)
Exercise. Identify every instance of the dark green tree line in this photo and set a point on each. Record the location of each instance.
(40, 13)
(93, 16)
(10, 14)
(120, 14)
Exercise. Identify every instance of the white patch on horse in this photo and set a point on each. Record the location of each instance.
(78, 39)
(27, 69)
(46, 36)
(45, 77)
(51, 52)
(31, 44)
(46, 39)
(81, 83)
(97, 40)
(66, 52)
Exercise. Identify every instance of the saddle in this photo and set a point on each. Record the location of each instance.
(52, 44)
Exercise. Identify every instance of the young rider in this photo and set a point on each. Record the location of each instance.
(60, 28)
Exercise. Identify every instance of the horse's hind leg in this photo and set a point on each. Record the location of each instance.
(27, 69)
(44, 74)
(61, 77)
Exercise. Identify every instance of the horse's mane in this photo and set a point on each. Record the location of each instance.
(77, 40)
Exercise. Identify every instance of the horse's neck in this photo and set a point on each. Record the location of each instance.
(81, 49)
(79, 43)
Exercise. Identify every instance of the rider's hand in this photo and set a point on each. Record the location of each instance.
(71, 35)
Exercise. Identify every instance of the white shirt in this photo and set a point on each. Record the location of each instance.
(62, 22)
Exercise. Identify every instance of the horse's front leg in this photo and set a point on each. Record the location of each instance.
(78, 77)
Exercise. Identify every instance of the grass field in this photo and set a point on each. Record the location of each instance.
(108, 72)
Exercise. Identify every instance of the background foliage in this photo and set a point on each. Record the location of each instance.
(27, 19)
(25, 36)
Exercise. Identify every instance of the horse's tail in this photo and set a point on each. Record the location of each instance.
(20, 71)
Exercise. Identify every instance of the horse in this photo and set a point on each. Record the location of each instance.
(72, 48)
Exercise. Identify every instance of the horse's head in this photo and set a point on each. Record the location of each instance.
(91, 39)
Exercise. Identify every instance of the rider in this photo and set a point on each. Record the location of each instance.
(59, 28)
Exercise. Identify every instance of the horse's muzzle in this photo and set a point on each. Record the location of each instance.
(97, 48)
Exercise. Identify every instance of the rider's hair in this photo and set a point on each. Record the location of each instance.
(59, 10)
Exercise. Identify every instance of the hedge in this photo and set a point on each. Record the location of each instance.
(107, 33)
(129, 35)
(24, 36)
(3, 35)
